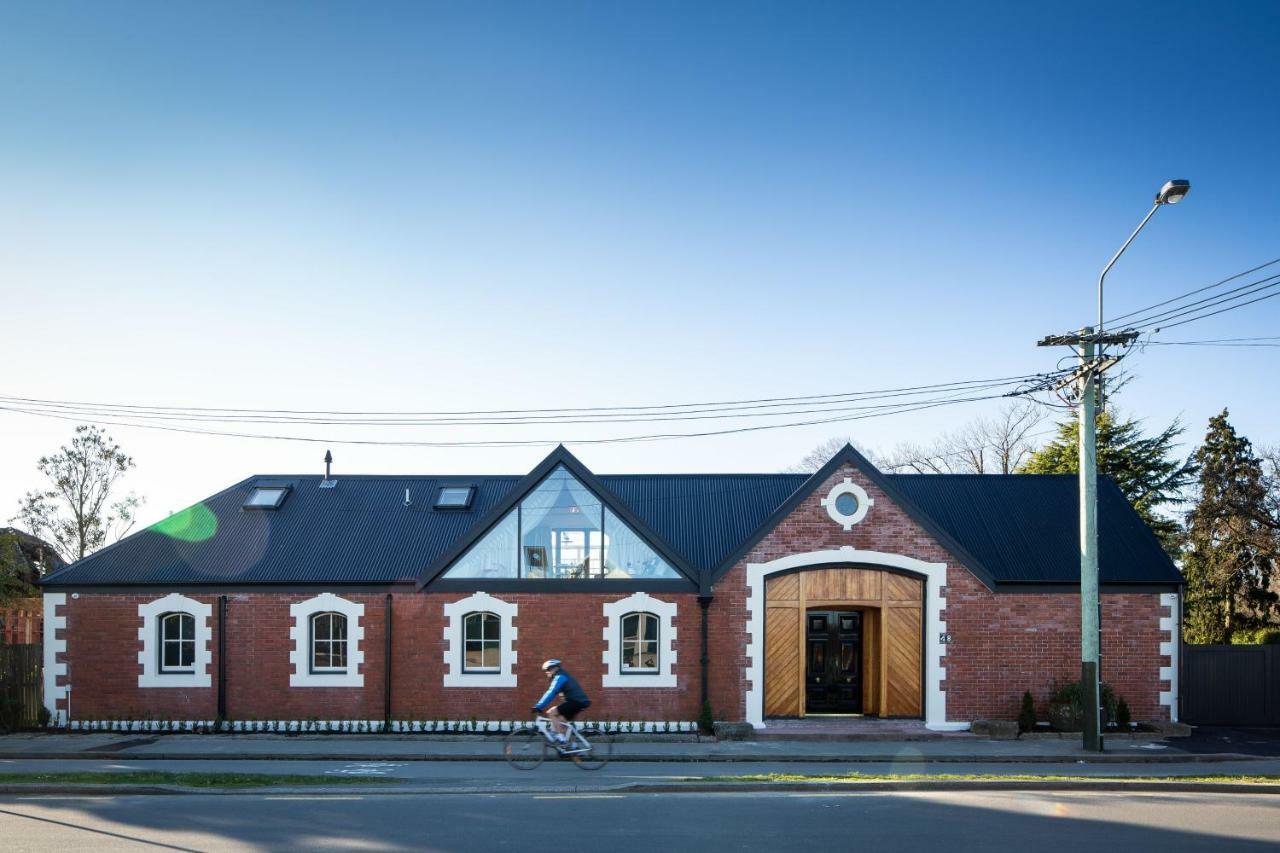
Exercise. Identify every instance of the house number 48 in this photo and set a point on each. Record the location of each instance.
(944, 638)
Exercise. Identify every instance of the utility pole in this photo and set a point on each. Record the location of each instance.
(1092, 366)
(1091, 343)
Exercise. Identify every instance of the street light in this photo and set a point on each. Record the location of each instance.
(1090, 602)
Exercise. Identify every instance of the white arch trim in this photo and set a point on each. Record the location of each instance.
(935, 577)
(455, 637)
(300, 634)
(149, 637)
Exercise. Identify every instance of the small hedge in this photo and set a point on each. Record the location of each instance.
(1256, 637)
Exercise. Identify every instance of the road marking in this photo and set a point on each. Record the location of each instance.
(371, 768)
(309, 799)
(580, 796)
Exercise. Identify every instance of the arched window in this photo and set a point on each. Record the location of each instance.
(177, 642)
(482, 633)
(328, 642)
(640, 643)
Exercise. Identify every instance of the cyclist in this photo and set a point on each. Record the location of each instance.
(575, 699)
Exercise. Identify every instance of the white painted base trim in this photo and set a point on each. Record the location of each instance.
(366, 726)
(1169, 647)
(948, 727)
(935, 576)
(53, 646)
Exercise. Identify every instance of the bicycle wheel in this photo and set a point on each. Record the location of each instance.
(525, 748)
(601, 748)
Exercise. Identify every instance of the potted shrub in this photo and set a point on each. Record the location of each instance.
(1066, 713)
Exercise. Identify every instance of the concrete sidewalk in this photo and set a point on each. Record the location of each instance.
(654, 748)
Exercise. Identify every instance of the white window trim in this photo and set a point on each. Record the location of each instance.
(455, 639)
(311, 648)
(174, 670)
(300, 633)
(848, 487)
(640, 603)
(149, 635)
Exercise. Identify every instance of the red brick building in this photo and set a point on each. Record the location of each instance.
(430, 602)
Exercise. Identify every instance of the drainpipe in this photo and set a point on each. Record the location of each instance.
(222, 661)
(386, 668)
(704, 601)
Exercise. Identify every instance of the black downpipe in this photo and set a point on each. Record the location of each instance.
(704, 601)
(386, 669)
(222, 660)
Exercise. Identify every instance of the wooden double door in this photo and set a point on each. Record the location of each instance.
(843, 640)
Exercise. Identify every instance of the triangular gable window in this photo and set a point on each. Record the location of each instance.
(561, 531)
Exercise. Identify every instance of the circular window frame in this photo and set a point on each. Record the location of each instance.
(848, 487)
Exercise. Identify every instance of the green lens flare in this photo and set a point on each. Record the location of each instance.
(194, 524)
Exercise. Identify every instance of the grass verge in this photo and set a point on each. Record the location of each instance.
(186, 780)
(1253, 779)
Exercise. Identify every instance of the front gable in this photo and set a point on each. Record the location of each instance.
(850, 503)
(560, 524)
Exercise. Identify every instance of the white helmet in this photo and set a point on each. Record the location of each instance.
(551, 664)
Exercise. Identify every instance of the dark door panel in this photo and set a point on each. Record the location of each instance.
(833, 662)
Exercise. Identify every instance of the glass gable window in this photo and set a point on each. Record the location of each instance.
(328, 642)
(481, 635)
(561, 531)
(177, 642)
(640, 642)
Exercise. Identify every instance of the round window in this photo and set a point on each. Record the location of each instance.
(846, 504)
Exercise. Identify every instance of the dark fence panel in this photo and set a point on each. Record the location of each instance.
(1231, 685)
(21, 683)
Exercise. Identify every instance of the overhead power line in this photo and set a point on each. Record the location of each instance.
(727, 404)
(1233, 295)
(861, 404)
(1166, 325)
(1111, 323)
(902, 407)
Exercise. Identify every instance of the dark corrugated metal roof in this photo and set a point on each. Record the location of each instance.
(1025, 528)
(1020, 528)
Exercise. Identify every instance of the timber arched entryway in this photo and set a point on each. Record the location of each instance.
(844, 639)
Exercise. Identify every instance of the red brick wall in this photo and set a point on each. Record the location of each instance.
(103, 646)
(1001, 644)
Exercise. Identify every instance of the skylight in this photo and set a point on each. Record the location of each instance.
(266, 497)
(454, 497)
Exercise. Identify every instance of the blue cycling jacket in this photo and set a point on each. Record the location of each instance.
(566, 684)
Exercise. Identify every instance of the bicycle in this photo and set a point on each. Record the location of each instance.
(526, 747)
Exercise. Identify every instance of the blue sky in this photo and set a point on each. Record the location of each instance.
(481, 206)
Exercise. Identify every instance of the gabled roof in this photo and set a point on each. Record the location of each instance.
(1018, 529)
(557, 458)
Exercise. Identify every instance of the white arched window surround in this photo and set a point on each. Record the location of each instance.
(640, 602)
(302, 655)
(152, 675)
(455, 642)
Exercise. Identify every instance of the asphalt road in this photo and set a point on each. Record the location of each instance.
(560, 775)
(952, 821)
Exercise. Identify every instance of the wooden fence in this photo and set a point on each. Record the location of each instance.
(1231, 685)
(21, 683)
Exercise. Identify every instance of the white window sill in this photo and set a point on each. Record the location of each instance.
(175, 679)
(480, 679)
(637, 680)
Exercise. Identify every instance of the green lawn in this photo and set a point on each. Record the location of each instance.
(186, 780)
(1254, 779)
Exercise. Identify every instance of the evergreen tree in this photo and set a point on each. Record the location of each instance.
(1231, 540)
(1145, 467)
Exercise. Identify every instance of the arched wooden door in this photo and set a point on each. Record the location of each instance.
(890, 632)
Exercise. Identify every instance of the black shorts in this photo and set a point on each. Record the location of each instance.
(570, 709)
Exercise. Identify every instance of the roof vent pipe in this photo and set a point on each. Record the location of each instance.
(328, 460)
(407, 500)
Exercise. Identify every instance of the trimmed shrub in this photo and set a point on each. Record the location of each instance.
(1027, 715)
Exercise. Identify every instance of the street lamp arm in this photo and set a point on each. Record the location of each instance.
(1116, 257)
